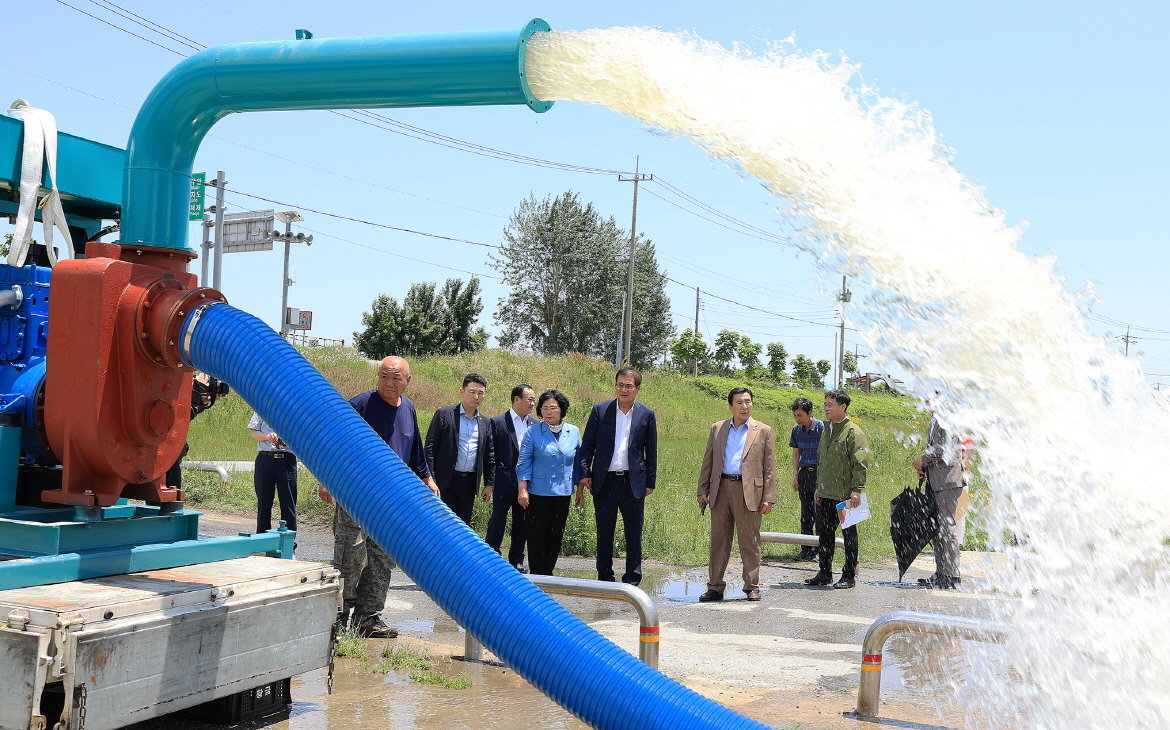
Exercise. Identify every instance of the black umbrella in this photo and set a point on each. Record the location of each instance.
(913, 523)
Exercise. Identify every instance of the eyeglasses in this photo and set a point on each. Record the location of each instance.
(626, 386)
(553, 407)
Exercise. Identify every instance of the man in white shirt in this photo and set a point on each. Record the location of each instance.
(508, 432)
(619, 456)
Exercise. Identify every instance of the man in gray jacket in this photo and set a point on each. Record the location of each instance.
(942, 466)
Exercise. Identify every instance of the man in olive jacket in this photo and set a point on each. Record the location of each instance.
(842, 454)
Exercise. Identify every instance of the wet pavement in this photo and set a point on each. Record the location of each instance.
(791, 660)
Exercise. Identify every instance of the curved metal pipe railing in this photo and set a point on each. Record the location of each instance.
(913, 622)
(554, 650)
(224, 480)
(792, 538)
(648, 634)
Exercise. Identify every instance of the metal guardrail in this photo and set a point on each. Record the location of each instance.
(913, 622)
(791, 538)
(208, 466)
(601, 590)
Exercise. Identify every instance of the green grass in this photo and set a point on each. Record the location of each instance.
(441, 679)
(685, 407)
(403, 657)
(350, 644)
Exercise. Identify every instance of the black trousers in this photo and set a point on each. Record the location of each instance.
(806, 486)
(275, 475)
(546, 529)
(459, 495)
(503, 502)
(827, 523)
(615, 496)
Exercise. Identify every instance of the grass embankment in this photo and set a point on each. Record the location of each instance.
(674, 532)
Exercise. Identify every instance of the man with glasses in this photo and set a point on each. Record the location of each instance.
(619, 461)
(508, 432)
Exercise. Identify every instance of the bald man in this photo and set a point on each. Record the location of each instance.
(364, 566)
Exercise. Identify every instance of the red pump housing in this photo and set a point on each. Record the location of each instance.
(117, 394)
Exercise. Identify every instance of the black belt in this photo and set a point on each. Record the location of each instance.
(464, 473)
(276, 454)
(811, 466)
(732, 477)
(622, 473)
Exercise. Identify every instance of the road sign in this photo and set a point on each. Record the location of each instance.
(251, 230)
(195, 207)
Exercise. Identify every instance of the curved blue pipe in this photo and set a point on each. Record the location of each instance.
(440, 69)
(554, 650)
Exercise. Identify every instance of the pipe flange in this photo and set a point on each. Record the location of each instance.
(165, 317)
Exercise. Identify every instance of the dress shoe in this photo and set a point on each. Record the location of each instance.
(710, 596)
(820, 579)
(806, 556)
(752, 595)
(845, 582)
(520, 568)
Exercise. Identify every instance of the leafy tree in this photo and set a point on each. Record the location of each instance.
(823, 368)
(804, 371)
(726, 345)
(689, 351)
(850, 362)
(748, 354)
(567, 268)
(428, 322)
(463, 305)
(777, 361)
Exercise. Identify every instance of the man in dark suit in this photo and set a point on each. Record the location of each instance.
(459, 448)
(619, 456)
(508, 432)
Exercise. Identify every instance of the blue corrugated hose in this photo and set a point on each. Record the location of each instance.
(554, 650)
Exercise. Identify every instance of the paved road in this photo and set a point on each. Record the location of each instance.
(790, 660)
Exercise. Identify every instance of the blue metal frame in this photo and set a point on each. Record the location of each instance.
(67, 567)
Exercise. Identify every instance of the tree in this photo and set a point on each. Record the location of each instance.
(726, 345)
(748, 354)
(567, 268)
(689, 351)
(823, 368)
(804, 371)
(426, 323)
(850, 362)
(777, 361)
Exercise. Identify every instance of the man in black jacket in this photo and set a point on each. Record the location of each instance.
(508, 432)
(459, 448)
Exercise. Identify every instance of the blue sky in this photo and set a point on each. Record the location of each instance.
(1059, 109)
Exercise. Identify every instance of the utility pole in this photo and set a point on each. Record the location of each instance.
(220, 183)
(695, 367)
(844, 297)
(1127, 340)
(205, 250)
(628, 316)
(289, 217)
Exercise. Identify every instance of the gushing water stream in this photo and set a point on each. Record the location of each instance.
(1069, 433)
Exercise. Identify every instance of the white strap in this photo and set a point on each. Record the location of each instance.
(40, 145)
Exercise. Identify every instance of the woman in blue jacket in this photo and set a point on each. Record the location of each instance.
(546, 473)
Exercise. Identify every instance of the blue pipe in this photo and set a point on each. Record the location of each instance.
(554, 650)
(441, 69)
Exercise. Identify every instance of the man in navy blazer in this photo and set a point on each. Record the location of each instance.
(508, 432)
(619, 458)
(459, 448)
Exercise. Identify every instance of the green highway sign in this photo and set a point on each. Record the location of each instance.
(195, 205)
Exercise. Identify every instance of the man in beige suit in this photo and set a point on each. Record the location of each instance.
(738, 480)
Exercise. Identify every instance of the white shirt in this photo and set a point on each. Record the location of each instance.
(621, 440)
(521, 426)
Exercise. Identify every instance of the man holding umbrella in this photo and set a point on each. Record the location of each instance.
(842, 455)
